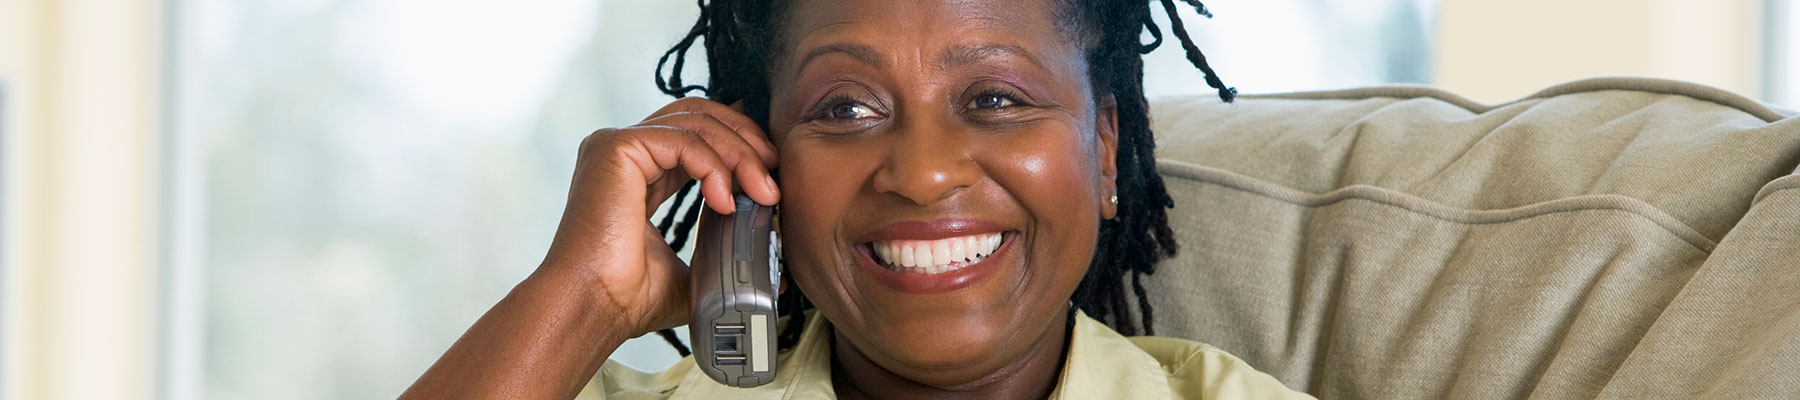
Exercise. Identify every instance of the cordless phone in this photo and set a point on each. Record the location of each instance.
(735, 283)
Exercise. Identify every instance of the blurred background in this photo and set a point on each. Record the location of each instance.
(310, 199)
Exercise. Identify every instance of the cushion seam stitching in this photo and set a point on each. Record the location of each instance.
(1224, 178)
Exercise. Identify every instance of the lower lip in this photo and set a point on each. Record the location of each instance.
(918, 283)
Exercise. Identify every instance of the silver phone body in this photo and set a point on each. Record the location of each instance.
(735, 283)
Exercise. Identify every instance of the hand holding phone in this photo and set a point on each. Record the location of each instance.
(735, 280)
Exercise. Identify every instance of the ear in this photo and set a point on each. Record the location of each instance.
(1106, 126)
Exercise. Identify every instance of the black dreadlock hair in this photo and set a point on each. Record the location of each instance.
(740, 37)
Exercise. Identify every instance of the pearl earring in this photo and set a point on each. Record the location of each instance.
(1114, 199)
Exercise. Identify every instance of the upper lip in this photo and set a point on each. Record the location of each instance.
(941, 228)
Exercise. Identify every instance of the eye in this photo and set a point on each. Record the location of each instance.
(991, 101)
(849, 111)
(845, 113)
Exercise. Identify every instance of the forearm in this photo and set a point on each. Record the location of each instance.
(544, 340)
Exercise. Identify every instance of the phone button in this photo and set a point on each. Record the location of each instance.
(743, 271)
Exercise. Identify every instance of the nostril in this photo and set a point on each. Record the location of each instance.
(926, 171)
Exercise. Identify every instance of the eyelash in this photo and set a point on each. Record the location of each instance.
(829, 106)
(825, 109)
(1011, 99)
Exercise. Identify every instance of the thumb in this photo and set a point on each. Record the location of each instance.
(673, 276)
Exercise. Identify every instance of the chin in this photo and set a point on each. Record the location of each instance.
(947, 343)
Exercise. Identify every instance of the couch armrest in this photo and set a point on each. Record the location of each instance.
(1406, 243)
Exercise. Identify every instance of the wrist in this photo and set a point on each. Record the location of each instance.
(582, 294)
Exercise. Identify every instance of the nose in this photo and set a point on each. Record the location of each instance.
(928, 163)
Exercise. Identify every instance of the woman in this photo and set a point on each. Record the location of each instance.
(1013, 129)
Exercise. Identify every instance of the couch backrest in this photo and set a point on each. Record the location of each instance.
(1611, 237)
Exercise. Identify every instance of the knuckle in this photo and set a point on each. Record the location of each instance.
(684, 116)
(741, 151)
(692, 103)
(693, 140)
(612, 145)
(598, 139)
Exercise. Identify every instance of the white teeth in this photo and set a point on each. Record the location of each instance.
(921, 255)
(959, 251)
(935, 256)
(906, 254)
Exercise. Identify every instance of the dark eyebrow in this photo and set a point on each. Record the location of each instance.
(862, 53)
(958, 56)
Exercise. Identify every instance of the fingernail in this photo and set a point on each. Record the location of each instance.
(771, 181)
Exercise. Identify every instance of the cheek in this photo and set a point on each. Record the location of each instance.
(818, 188)
(1056, 183)
(1055, 176)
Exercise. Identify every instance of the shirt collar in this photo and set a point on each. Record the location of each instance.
(803, 372)
(1101, 364)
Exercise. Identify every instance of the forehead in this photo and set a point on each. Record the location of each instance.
(926, 25)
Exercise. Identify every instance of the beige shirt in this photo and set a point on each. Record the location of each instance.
(1102, 365)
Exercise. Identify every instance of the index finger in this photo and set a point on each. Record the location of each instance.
(733, 117)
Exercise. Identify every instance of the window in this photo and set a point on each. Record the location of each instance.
(363, 179)
(1782, 52)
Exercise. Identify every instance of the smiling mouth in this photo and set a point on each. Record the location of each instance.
(935, 256)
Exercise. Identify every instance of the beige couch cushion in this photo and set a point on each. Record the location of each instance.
(1600, 238)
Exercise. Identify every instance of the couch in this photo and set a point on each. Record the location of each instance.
(1607, 238)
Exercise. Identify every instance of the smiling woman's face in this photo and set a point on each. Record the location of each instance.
(907, 130)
